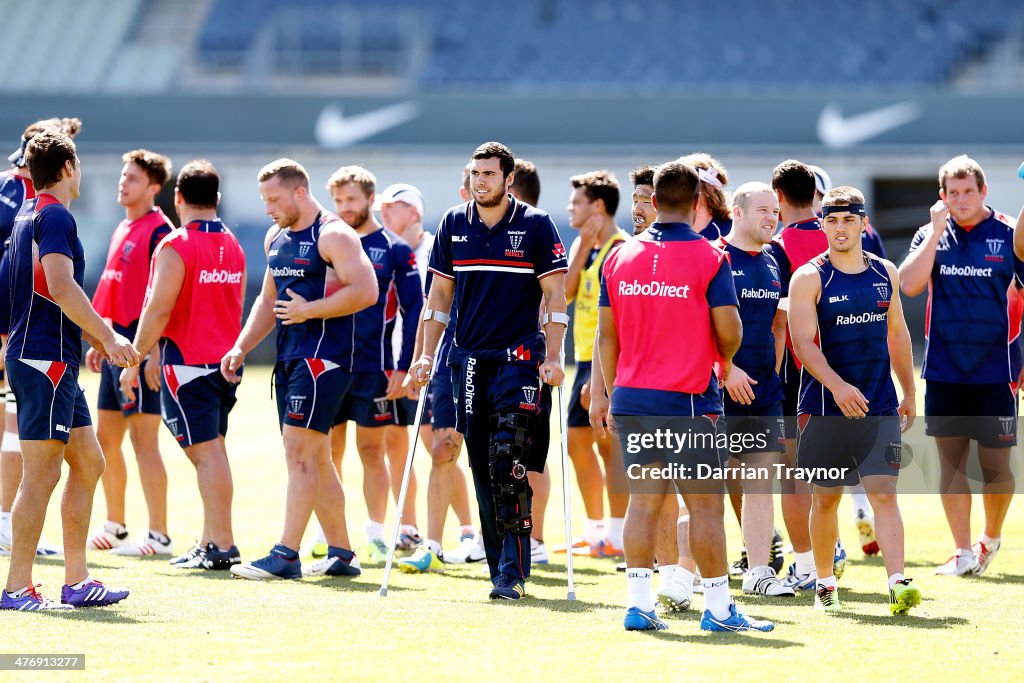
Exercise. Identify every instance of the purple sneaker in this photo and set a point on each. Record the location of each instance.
(30, 601)
(92, 594)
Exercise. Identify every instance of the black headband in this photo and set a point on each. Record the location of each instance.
(856, 209)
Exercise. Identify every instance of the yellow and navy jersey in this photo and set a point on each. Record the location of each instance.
(588, 294)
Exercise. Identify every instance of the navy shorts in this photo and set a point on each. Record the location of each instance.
(850, 448)
(578, 415)
(146, 401)
(195, 402)
(310, 392)
(365, 404)
(986, 413)
(440, 407)
(755, 429)
(50, 401)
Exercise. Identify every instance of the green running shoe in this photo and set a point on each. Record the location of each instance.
(421, 561)
(376, 552)
(903, 596)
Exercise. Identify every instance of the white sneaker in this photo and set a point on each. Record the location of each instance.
(107, 537)
(144, 547)
(961, 563)
(984, 555)
(762, 581)
(538, 552)
(44, 549)
(675, 596)
(471, 549)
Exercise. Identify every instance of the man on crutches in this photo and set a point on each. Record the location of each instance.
(495, 259)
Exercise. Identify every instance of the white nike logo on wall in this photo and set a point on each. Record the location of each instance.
(839, 132)
(333, 130)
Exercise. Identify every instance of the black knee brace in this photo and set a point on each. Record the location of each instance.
(509, 485)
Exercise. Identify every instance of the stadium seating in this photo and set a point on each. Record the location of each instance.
(644, 43)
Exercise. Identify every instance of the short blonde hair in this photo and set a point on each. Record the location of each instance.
(353, 174)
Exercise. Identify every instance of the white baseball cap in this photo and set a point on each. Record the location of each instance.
(400, 192)
(822, 183)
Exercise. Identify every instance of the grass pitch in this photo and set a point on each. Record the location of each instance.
(204, 626)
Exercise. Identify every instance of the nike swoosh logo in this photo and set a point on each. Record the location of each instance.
(839, 132)
(333, 130)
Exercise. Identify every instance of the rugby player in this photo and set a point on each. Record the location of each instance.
(847, 326)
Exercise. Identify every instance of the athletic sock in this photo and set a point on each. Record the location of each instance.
(18, 593)
(716, 596)
(374, 531)
(860, 500)
(666, 572)
(638, 583)
(433, 546)
(162, 538)
(965, 552)
(683, 576)
(827, 582)
(78, 586)
(115, 528)
(804, 563)
(990, 543)
(894, 579)
(593, 531)
(613, 530)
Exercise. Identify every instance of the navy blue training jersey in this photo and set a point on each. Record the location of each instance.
(14, 191)
(39, 329)
(871, 241)
(399, 287)
(295, 263)
(758, 288)
(497, 271)
(449, 332)
(716, 229)
(971, 326)
(853, 333)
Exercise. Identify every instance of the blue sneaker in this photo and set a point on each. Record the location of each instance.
(839, 561)
(30, 601)
(339, 562)
(508, 588)
(92, 594)
(737, 621)
(281, 563)
(800, 582)
(638, 620)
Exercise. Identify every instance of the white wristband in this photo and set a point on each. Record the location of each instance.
(431, 314)
(555, 317)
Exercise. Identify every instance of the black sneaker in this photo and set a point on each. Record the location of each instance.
(215, 558)
(776, 558)
(739, 567)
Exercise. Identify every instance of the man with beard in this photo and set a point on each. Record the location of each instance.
(497, 249)
(373, 402)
